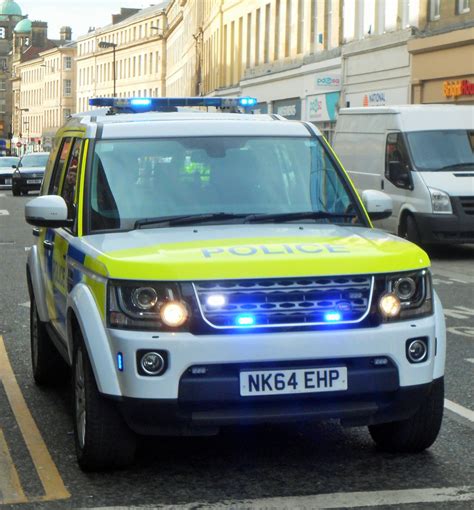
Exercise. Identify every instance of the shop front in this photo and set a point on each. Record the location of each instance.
(443, 68)
(377, 71)
(288, 108)
(322, 106)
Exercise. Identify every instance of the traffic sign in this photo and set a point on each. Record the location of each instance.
(19, 144)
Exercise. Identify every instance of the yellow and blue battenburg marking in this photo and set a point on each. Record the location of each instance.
(169, 104)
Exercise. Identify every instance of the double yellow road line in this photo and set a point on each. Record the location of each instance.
(11, 490)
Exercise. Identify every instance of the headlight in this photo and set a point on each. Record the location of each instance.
(440, 202)
(174, 313)
(156, 306)
(406, 295)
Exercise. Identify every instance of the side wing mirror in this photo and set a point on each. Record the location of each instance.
(47, 211)
(378, 204)
(398, 174)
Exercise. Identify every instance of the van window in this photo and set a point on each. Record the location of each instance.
(442, 150)
(397, 163)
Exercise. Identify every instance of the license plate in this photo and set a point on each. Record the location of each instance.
(303, 380)
(33, 181)
(8, 181)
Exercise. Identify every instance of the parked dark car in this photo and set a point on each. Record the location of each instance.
(29, 173)
(6, 170)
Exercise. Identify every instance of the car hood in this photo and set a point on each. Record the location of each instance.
(456, 184)
(31, 169)
(247, 251)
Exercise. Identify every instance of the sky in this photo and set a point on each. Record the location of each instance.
(78, 14)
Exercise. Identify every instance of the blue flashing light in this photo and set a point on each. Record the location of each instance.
(245, 320)
(120, 361)
(248, 101)
(332, 317)
(142, 104)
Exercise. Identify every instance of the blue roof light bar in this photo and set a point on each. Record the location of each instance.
(150, 104)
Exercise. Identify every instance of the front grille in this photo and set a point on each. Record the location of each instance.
(287, 301)
(467, 204)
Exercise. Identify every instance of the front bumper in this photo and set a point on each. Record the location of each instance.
(176, 416)
(180, 397)
(27, 183)
(456, 228)
(5, 181)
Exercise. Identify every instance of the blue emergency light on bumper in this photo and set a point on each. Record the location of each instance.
(147, 104)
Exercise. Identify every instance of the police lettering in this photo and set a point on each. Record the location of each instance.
(275, 249)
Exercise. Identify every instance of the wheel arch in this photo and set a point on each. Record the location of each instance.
(405, 211)
(83, 316)
(35, 282)
(440, 336)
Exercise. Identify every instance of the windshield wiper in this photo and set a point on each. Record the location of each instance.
(455, 165)
(187, 219)
(317, 215)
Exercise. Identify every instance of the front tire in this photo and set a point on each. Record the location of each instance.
(410, 230)
(416, 433)
(47, 365)
(102, 438)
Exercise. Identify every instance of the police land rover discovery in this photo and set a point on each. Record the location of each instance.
(204, 269)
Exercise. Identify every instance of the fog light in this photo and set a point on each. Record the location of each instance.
(174, 313)
(417, 350)
(152, 363)
(389, 306)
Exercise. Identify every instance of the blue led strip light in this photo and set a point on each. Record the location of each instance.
(143, 104)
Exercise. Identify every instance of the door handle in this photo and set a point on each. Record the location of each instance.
(49, 245)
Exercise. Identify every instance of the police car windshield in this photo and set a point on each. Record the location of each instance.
(220, 179)
(442, 150)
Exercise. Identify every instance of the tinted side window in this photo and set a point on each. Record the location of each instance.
(69, 186)
(397, 162)
(59, 166)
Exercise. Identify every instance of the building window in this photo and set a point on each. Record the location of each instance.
(464, 6)
(67, 88)
(67, 63)
(434, 9)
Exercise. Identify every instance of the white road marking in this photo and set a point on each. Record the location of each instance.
(438, 281)
(470, 360)
(462, 331)
(27, 248)
(2, 195)
(458, 280)
(26, 304)
(4, 212)
(453, 275)
(459, 409)
(459, 312)
(323, 501)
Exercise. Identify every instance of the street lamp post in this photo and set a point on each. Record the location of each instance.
(21, 110)
(106, 44)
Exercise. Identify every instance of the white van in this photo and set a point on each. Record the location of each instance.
(422, 156)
